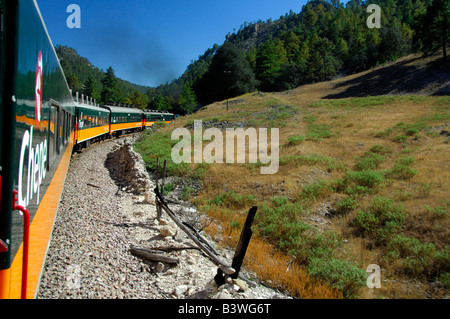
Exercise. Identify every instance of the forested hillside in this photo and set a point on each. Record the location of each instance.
(85, 78)
(326, 39)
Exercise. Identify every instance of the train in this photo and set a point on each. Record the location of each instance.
(42, 124)
(94, 122)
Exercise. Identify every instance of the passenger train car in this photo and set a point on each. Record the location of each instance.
(41, 123)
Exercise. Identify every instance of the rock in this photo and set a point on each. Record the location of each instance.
(181, 290)
(190, 260)
(241, 284)
(227, 270)
(163, 221)
(167, 231)
(223, 294)
(159, 267)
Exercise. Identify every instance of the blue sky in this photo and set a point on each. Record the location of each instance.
(150, 42)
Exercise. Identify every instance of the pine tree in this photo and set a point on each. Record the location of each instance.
(188, 100)
(139, 100)
(110, 91)
(91, 89)
(229, 75)
(433, 28)
(269, 63)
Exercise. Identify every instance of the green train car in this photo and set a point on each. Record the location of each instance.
(152, 117)
(124, 119)
(92, 124)
(37, 116)
(41, 125)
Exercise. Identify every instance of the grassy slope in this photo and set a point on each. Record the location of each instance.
(361, 181)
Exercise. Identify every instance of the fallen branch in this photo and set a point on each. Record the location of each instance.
(149, 254)
(200, 237)
(169, 249)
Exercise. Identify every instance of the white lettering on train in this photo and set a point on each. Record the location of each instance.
(36, 168)
(38, 89)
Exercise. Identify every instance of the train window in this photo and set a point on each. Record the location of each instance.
(60, 128)
(53, 135)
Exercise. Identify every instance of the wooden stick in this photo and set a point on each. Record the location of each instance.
(149, 254)
(169, 249)
(163, 179)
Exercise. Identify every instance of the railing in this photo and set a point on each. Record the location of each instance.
(26, 241)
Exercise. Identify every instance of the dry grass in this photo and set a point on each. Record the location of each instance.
(271, 265)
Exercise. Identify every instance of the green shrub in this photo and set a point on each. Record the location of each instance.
(340, 274)
(416, 258)
(294, 140)
(316, 132)
(400, 138)
(346, 205)
(232, 200)
(314, 190)
(444, 279)
(402, 169)
(381, 221)
(367, 178)
(187, 193)
(439, 212)
(380, 149)
(369, 161)
(168, 188)
(279, 201)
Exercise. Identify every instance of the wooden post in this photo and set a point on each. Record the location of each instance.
(244, 240)
(158, 204)
(241, 249)
(163, 179)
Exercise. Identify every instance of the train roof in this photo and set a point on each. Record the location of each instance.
(91, 107)
(118, 109)
(156, 112)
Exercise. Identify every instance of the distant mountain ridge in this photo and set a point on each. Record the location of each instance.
(78, 69)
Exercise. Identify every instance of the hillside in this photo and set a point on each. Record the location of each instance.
(325, 40)
(362, 180)
(78, 69)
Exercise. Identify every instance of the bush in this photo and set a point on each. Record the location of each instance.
(369, 161)
(402, 169)
(367, 178)
(294, 140)
(381, 221)
(400, 138)
(413, 257)
(380, 149)
(445, 279)
(168, 188)
(346, 205)
(340, 274)
(312, 191)
(232, 200)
